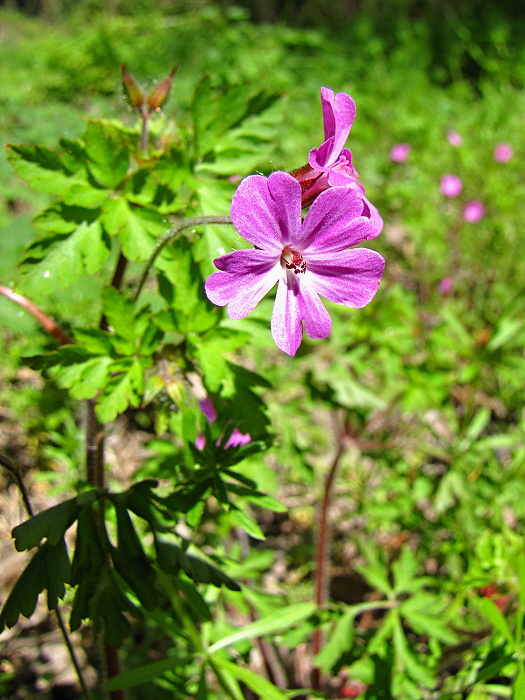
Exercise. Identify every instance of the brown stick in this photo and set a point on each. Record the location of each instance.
(45, 321)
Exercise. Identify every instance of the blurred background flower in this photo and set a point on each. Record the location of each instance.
(473, 211)
(399, 152)
(450, 185)
(503, 152)
(454, 138)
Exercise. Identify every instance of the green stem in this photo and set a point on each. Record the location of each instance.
(170, 236)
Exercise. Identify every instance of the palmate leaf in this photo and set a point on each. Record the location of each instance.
(108, 145)
(182, 285)
(123, 389)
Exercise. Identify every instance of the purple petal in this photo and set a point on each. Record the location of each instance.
(327, 101)
(338, 117)
(334, 221)
(376, 222)
(317, 321)
(350, 277)
(267, 211)
(208, 409)
(287, 329)
(241, 292)
(237, 438)
(247, 262)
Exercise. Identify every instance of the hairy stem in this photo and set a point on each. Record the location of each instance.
(322, 556)
(45, 321)
(170, 236)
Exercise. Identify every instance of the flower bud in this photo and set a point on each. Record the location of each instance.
(132, 89)
(159, 95)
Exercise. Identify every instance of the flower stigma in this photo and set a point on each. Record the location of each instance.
(293, 260)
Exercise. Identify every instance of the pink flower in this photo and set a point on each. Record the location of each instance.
(399, 152)
(330, 165)
(473, 211)
(450, 185)
(454, 138)
(503, 152)
(304, 258)
(445, 286)
(236, 438)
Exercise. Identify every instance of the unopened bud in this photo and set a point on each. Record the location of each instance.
(132, 89)
(160, 94)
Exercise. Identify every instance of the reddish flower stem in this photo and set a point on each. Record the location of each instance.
(45, 321)
(322, 557)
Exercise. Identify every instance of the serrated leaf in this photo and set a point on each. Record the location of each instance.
(48, 569)
(65, 258)
(136, 227)
(42, 167)
(62, 218)
(106, 146)
(119, 311)
(92, 340)
(210, 353)
(122, 390)
(183, 287)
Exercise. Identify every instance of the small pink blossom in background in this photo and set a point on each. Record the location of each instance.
(236, 438)
(473, 211)
(503, 152)
(454, 138)
(445, 286)
(450, 185)
(399, 152)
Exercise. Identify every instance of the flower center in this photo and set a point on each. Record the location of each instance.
(293, 260)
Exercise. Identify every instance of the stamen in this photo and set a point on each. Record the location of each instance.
(293, 261)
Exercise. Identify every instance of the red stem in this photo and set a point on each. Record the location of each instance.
(45, 321)
(322, 558)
